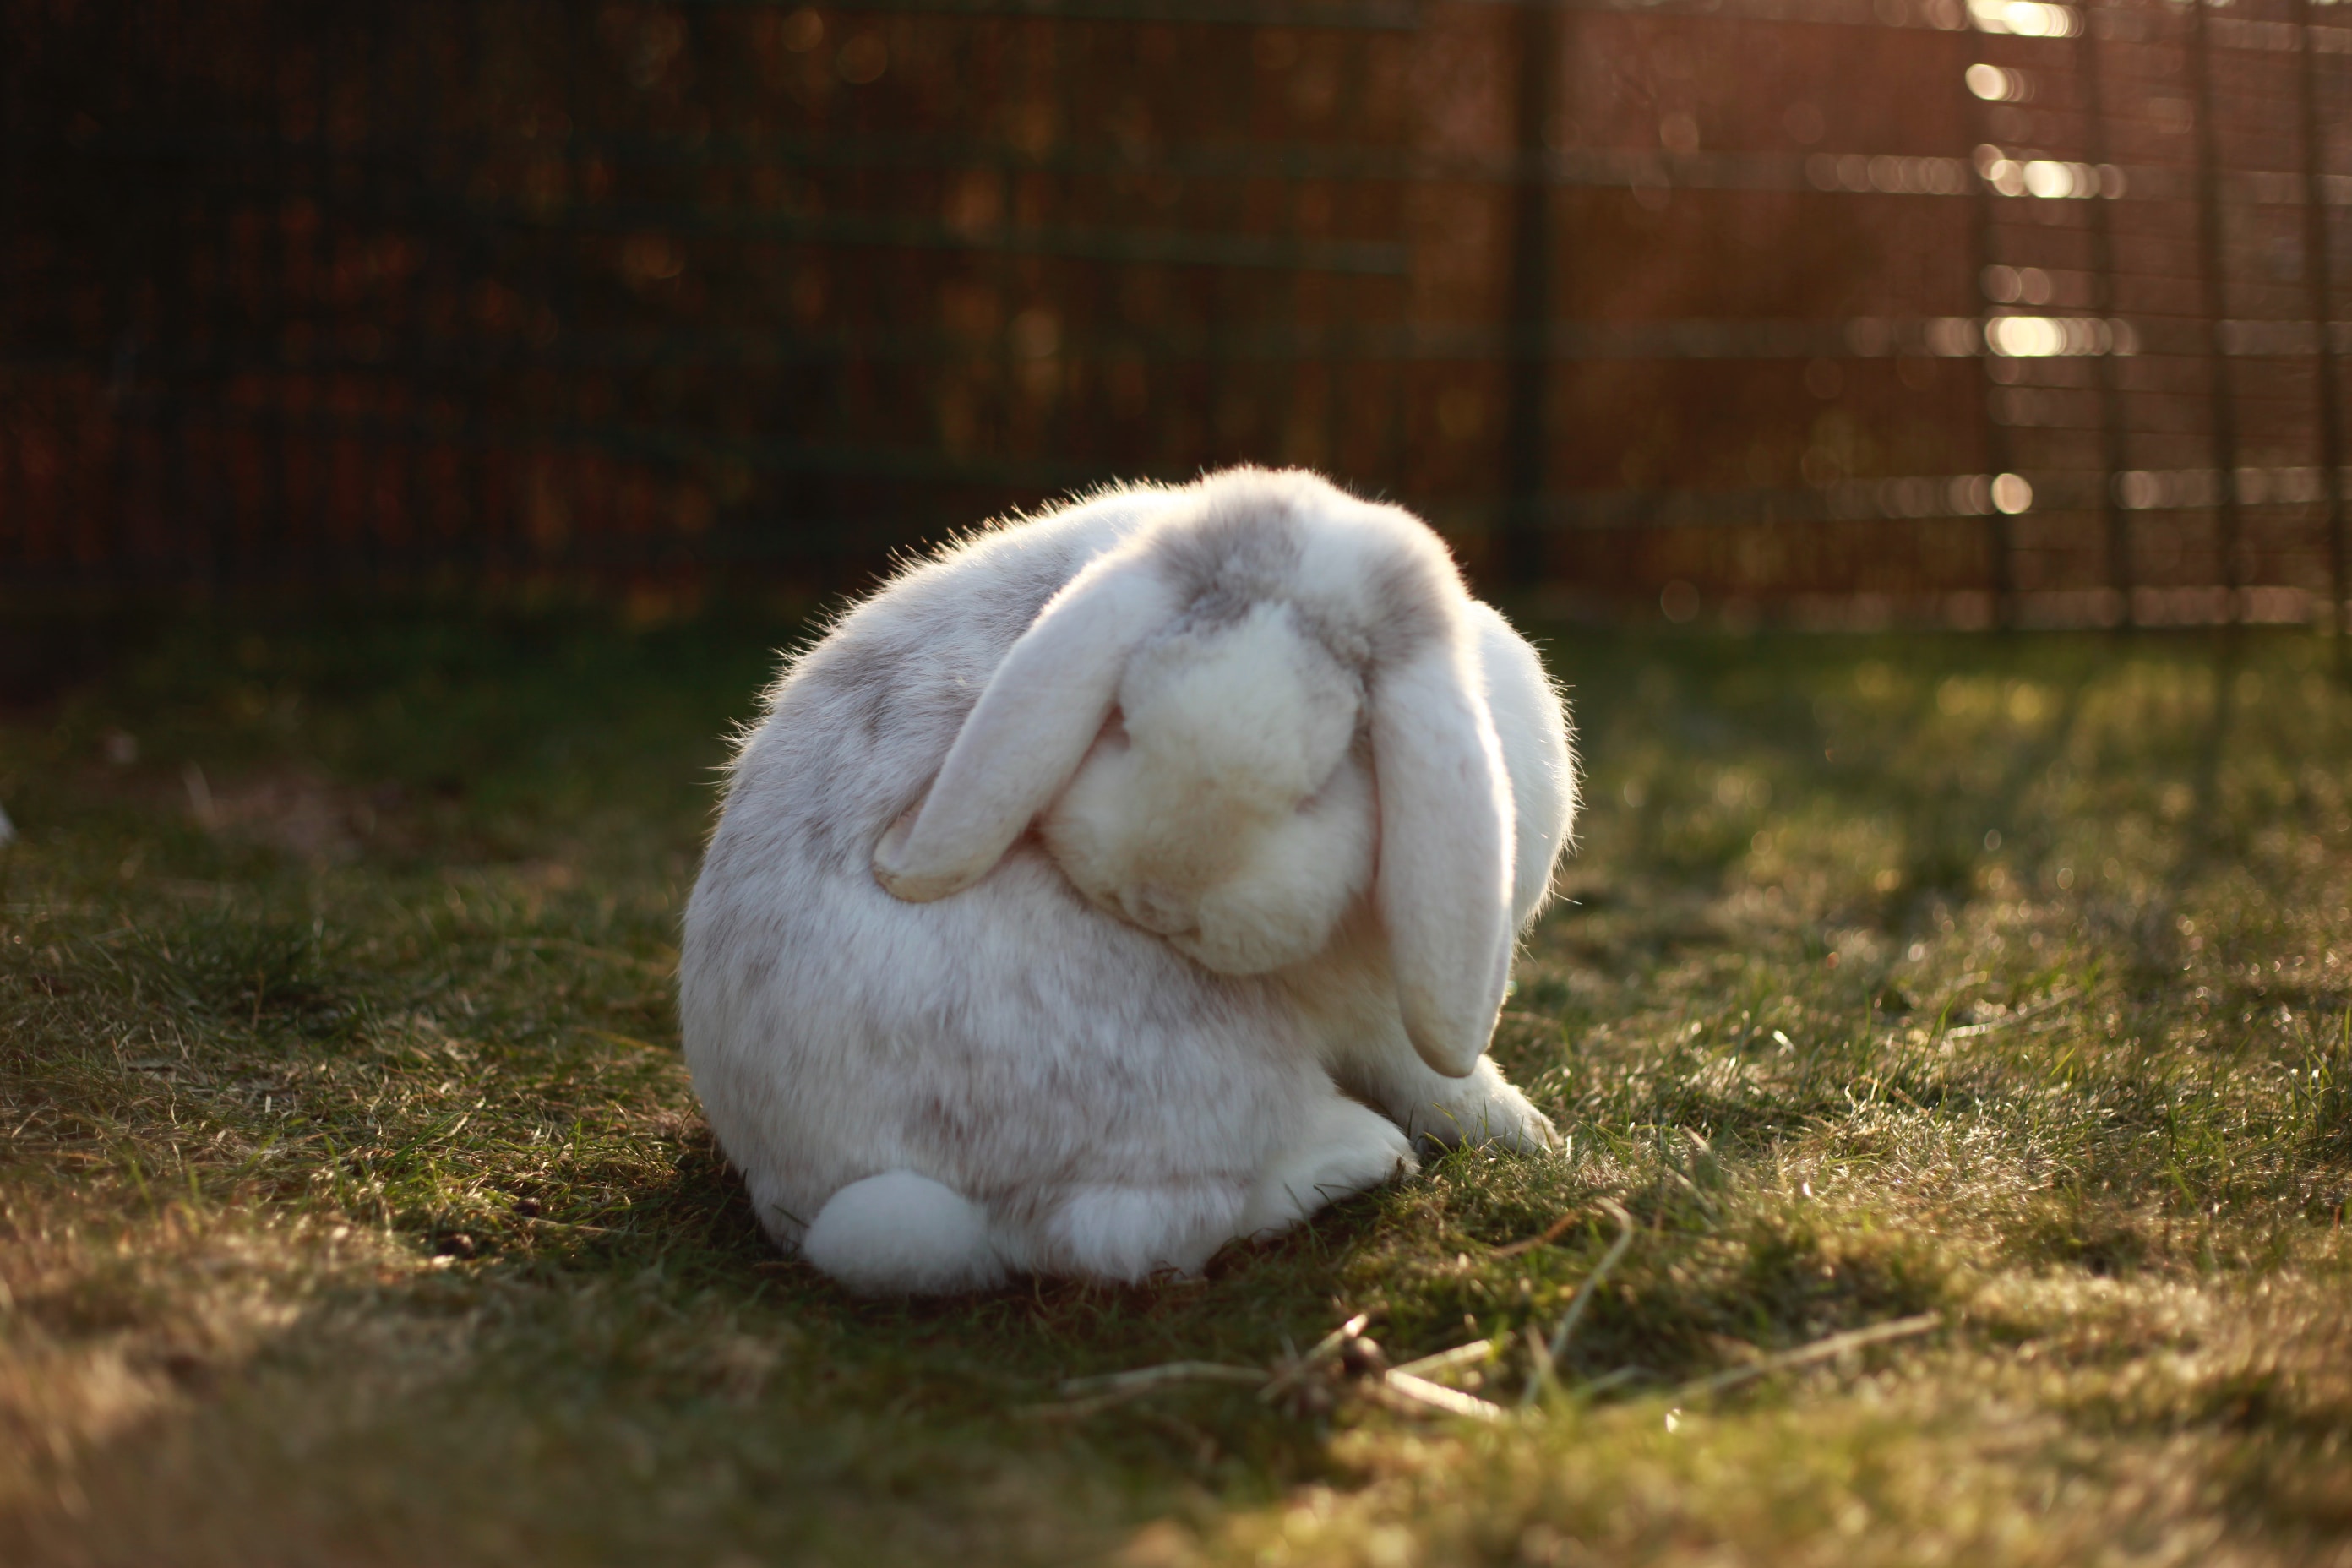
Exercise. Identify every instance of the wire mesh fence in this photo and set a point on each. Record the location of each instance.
(1838, 312)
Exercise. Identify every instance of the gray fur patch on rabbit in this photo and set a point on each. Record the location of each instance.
(1081, 889)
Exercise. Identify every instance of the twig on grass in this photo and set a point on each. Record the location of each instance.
(2047, 1005)
(1446, 1360)
(540, 1222)
(1551, 1234)
(1609, 1380)
(1145, 1378)
(1818, 1351)
(1088, 1396)
(1296, 1373)
(1303, 1384)
(1546, 1355)
(629, 1040)
(1420, 1391)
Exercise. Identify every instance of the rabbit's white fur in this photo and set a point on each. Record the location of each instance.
(1072, 876)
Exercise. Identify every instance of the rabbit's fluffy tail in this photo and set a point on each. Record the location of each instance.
(900, 1232)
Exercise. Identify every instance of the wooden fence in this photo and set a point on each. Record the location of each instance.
(1832, 311)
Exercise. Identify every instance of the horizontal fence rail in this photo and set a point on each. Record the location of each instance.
(1831, 311)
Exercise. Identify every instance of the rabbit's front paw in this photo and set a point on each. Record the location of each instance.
(1483, 1108)
(1347, 1149)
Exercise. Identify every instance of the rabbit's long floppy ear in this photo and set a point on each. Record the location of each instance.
(1027, 734)
(1444, 885)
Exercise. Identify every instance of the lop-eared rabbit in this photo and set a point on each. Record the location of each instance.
(1120, 882)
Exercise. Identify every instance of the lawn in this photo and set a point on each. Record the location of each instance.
(355, 1206)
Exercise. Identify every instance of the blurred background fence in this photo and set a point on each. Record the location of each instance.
(1824, 311)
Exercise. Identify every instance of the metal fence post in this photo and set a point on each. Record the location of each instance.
(1994, 419)
(2212, 245)
(2111, 456)
(2319, 274)
(1520, 558)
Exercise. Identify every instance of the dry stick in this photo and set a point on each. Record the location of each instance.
(1412, 1381)
(1146, 1377)
(1401, 1387)
(1097, 1394)
(1446, 1360)
(1819, 1349)
(1319, 1351)
(1436, 1395)
(1085, 1395)
(2046, 1006)
(1551, 1233)
(1546, 1357)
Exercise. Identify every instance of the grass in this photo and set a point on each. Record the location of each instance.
(354, 1206)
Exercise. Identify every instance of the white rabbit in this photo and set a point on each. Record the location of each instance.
(1083, 888)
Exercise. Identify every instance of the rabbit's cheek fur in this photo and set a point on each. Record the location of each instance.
(1212, 808)
(1098, 832)
(1241, 882)
(1299, 877)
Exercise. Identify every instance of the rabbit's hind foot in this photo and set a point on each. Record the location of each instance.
(1132, 1232)
(902, 1233)
(1347, 1147)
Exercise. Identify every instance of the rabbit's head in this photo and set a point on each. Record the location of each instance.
(1226, 803)
(1232, 726)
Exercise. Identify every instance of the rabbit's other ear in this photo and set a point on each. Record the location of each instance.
(1539, 757)
(1444, 881)
(1025, 737)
